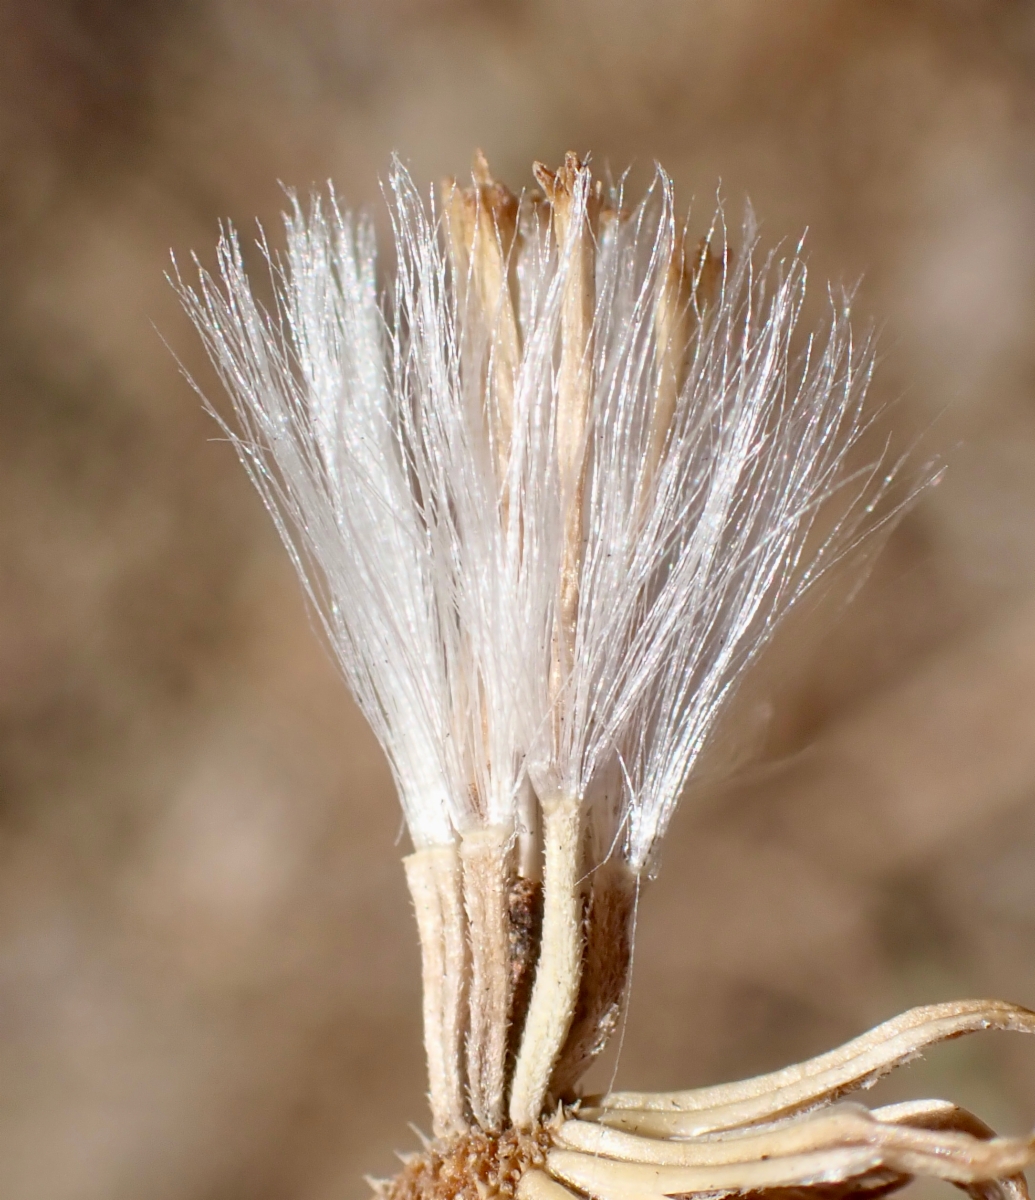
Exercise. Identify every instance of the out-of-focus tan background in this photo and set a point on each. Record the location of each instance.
(208, 972)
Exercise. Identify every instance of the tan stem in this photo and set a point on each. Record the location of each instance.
(673, 321)
(839, 1126)
(573, 220)
(855, 1064)
(606, 1179)
(824, 1150)
(556, 985)
(575, 207)
(482, 223)
(846, 1148)
(433, 876)
(488, 869)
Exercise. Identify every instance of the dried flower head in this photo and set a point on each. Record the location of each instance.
(550, 496)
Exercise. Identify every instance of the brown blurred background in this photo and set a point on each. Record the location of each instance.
(208, 972)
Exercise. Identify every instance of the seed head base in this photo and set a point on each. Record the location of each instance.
(469, 1166)
(787, 1135)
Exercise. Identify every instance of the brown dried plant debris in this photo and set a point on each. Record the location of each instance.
(470, 1166)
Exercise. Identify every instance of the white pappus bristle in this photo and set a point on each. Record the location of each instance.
(417, 456)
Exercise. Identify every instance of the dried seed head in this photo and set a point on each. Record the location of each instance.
(550, 494)
(550, 497)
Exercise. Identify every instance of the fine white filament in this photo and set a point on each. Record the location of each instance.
(410, 449)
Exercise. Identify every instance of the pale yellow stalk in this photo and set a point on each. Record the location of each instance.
(434, 879)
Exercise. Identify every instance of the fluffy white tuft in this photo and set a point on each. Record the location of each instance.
(407, 448)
